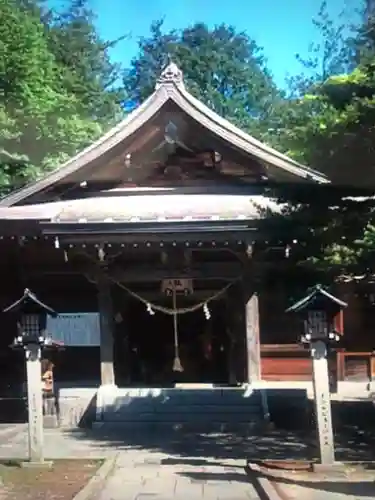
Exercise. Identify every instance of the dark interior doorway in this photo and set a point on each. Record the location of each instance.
(144, 347)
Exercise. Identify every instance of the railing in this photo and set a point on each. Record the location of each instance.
(355, 366)
(292, 362)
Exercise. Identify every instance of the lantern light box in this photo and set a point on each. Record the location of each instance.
(320, 312)
(31, 316)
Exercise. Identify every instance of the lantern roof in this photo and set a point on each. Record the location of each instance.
(29, 299)
(317, 297)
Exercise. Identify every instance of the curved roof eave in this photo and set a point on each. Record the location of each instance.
(112, 138)
(231, 133)
(150, 207)
(174, 90)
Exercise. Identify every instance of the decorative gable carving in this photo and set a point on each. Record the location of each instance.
(170, 74)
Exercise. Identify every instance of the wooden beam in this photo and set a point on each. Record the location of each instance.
(204, 271)
(226, 271)
(195, 232)
(159, 298)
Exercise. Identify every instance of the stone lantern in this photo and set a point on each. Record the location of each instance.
(319, 312)
(31, 316)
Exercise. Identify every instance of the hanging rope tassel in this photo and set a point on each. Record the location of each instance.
(177, 366)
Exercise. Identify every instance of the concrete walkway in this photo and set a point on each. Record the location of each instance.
(171, 478)
(141, 473)
(177, 479)
(173, 466)
(354, 482)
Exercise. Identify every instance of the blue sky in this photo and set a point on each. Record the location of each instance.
(282, 27)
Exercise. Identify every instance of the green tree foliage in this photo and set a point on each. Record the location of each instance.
(44, 112)
(58, 91)
(88, 72)
(331, 127)
(223, 68)
(330, 54)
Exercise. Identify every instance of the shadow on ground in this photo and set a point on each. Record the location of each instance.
(292, 438)
(355, 488)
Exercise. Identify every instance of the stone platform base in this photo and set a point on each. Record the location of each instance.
(202, 407)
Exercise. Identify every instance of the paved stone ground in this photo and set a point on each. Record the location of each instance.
(57, 444)
(177, 479)
(175, 465)
(352, 483)
(141, 473)
(331, 491)
(9, 433)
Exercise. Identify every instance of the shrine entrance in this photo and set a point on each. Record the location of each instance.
(145, 350)
(172, 192)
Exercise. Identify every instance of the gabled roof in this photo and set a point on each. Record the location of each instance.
(317, 292)
(28, 298)
(169, 87)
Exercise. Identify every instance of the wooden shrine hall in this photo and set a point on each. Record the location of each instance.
(148, 244)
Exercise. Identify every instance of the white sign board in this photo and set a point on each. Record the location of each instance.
(75, 329)
(182, 286)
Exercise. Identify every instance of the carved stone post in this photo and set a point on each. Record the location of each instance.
(35, 403)
(322, 403)
(318, 310)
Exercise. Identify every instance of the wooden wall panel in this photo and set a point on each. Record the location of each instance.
(286, 369)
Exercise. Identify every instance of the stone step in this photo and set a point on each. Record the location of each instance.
(236, 404)
(184, 393)
(169, 428)
(135, 408)
(180, 417)
(186, 397)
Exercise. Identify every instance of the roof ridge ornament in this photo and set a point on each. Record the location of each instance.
(170, 74)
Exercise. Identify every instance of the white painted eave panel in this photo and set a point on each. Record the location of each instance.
(147, 207)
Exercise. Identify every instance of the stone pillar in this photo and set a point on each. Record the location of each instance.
(253, 340)
(107, 374)
(322, 403)
(35, 404)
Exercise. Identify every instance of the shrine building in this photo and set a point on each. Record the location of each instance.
(149, 245)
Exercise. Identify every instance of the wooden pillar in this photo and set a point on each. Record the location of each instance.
(122, 341)
(372, 369)
(252, 339)
(236, 327)
(340, 369)
(106, 333)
